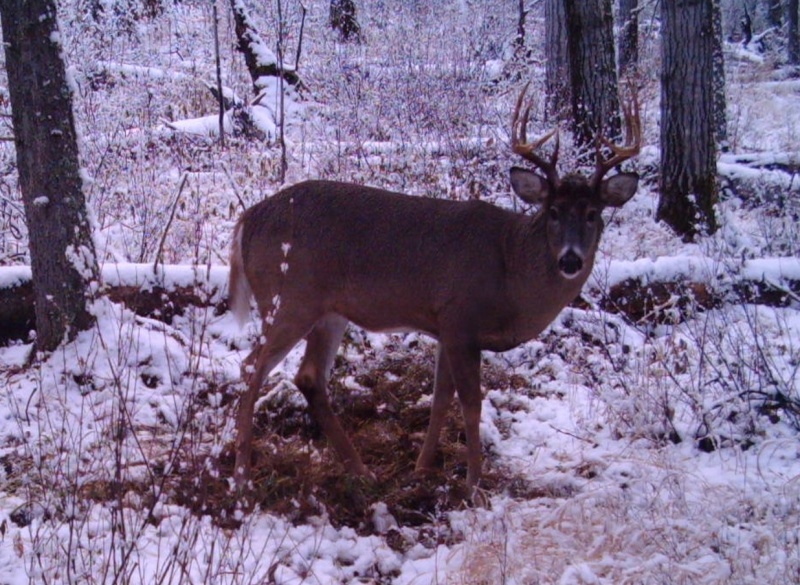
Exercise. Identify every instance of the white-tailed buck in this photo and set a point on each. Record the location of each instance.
(475, 277)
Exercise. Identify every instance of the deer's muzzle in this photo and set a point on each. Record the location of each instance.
(570, 263)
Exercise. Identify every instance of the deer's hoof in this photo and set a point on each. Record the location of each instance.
(423, 471)
(368, 475)
(479, 498)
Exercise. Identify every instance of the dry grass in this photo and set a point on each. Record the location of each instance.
(385, 407)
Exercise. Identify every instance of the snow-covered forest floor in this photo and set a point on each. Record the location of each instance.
(660, 450)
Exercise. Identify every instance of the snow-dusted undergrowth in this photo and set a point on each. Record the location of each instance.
(640, 452)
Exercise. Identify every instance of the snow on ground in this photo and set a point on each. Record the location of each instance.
(639, 453)
(602, 498)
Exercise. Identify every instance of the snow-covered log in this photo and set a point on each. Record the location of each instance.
(667, 289)
(759, 178)
(787, 162)
(670, 289)
(156, 292)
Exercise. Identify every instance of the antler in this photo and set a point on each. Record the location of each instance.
(621, 153)
(521, 146)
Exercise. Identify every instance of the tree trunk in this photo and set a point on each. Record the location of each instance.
(592, 69)
(775, 13)
(747, 27)
(343, 20)
(628, 38)
(63, 261)
(687, 184)
(519, 40)
(793, 41)
(556, 59)
(720, 101)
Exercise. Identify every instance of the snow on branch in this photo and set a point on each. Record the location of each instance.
(260, 118)
(261, 61)
(138, 71)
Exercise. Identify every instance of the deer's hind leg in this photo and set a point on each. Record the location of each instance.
(279, 339)
(312, 380)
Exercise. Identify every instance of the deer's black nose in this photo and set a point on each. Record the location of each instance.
(570, 263)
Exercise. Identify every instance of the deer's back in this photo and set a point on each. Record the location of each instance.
(355, 248)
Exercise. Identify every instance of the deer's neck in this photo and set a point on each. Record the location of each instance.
(538, 287)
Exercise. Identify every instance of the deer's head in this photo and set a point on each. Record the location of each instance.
(571, 206)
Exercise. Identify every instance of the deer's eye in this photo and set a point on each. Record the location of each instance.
(591, 216)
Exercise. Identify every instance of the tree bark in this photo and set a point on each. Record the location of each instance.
(628, 59)
(687, 184)
(792, 38)
(556, 60)
(592, 70)
(775, 13)
(63, 260)
(720, 101)
(342, 18)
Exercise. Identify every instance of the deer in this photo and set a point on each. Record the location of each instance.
(471, 275)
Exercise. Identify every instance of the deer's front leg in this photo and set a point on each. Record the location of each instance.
(443, 390)
(465, 365)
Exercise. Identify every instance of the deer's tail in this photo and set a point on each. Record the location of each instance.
(239, 291)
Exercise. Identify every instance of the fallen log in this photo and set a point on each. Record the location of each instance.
(667, 289)
(160, 292)
(760, 179)
(671, 289)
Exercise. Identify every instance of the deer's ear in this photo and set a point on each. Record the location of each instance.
(530, 186)
(615, 191)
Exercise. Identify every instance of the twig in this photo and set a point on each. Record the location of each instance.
(234, 186)
(160, 250)
(300, 40)
(220, 97)
(282, 126)
(573, 435)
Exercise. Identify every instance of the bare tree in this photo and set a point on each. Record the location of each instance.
(793, 40)
(628, 57)
(343, 19)
(519, 39)
(592, 69)
(688, 186)
(264, 66)
(556, 58)
(720, 101)
(63, 260)
(746, 24)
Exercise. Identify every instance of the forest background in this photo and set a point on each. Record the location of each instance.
(649, 436)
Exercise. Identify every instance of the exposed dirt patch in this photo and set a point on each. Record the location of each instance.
(383, 401)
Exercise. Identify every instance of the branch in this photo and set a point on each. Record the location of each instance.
(261, 61)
